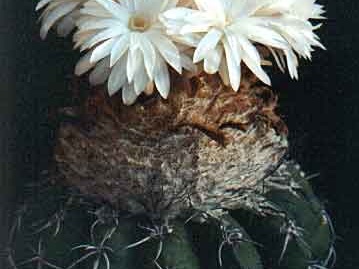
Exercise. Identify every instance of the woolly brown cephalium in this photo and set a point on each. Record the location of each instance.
(198, 148)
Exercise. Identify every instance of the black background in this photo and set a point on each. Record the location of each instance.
(321, 110)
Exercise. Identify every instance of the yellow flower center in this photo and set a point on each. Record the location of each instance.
(138, 23)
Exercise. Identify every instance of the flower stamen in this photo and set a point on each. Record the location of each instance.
(139, 23)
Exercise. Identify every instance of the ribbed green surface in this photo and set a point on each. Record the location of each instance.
(245, 250)
(305, 210)
(72, 236)
(177, 251)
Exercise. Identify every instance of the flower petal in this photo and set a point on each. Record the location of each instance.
(67, 24)
(232, 40)
(134, 59)
(149, 55)
(256, 68)
(262, 35)
(100, 73)
(213, 61)
(234, 70)
(208, 43)
(98, 24)
(223, 72)
(248, 48)
(84, 64)
(129, 95)
(117, 77)
(292, 63)
(167, 50)
(140, 81)
(277, 59)
(119, 48)
(102, 50)
(115, 9)
(103, 35)
(41, 4)
(55, 15)
(162, 78)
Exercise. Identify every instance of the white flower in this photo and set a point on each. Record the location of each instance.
(294, 26)
(130, 43)
(229, 29)
(62, 13)
(302, 9)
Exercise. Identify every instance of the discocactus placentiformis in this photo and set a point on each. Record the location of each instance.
(201, 180)
(195, 173)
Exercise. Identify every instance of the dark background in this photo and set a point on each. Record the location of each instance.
(321, 111)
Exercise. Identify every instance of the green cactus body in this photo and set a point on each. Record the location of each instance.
(174, 250)
(206, 241)
(43, 238)
(244, 250)
(300, 208)
(120, 235)
(194, 182)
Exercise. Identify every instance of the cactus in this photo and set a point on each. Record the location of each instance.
(201, 180)
(182, 161)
